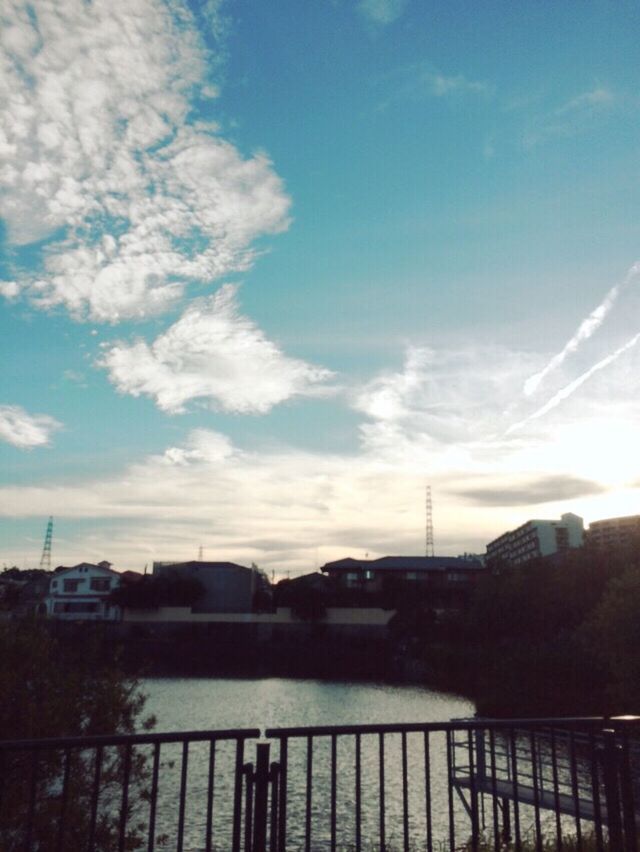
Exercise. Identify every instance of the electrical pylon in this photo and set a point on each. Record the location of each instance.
(429, 524)
(45, 559)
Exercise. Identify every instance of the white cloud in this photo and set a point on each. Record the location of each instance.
(25, 430)
(211, 353)
(9, 289)
(382, 11)
(440, 419)
(98, 155)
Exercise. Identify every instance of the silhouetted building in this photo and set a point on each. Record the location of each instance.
(227, 587)
(444, 580)
(535, 539)
(614, 532)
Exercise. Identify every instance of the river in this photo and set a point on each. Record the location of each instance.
(181, 704)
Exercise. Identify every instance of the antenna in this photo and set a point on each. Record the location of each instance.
(429, 524)
(200, 554)
(45, 559)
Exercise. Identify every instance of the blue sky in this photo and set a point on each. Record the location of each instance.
(269, 268)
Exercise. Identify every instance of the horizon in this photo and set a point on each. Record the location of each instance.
(268, 271)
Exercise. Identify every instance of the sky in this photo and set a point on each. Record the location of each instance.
(267, 270)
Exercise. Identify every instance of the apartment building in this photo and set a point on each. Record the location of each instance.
(537, 538)
(614, 532)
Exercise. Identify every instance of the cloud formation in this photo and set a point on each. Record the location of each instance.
(215, 354)
(529, 492)
(25, 430)
(100, 158)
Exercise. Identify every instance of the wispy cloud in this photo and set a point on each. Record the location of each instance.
(98, 156)
(421, 80)
(585, 330)
(570, 117)
(25, 430)
(382, 12)
(212, 353)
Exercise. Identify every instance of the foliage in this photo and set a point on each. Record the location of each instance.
(307, 601)
(154, 592)
(55, 688)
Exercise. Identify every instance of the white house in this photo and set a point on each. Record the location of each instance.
(81, 593)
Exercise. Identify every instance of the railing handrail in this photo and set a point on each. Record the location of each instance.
(559, 723)
(106, 740)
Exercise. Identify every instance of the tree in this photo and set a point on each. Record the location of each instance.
(65, 687)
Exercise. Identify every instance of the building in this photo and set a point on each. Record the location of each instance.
(227, 587)
(536, 539)
(82, 593)
(614, 532)
(444, 580)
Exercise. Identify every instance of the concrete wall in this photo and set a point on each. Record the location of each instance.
(335, 616)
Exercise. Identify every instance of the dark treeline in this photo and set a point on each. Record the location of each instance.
(541, 639)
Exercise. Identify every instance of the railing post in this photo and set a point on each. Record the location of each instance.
(611, 788)
(261, 798)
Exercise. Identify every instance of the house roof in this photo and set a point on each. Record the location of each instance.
(196, 564)
(405, 563)
(61, 569)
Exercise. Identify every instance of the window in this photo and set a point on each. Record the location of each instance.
(71, 585)
(100, 584)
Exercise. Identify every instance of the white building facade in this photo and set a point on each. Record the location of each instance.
(536, 539)
(81, 593)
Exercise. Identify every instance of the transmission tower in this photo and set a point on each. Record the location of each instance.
(45, 559)
(429, 524)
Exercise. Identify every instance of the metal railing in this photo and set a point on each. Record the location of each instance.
(461, 785)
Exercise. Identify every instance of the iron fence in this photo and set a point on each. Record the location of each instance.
(471, 785)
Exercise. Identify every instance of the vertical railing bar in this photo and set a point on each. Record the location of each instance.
(94, 797)
(183, 794)
(595, 793)
(249, 776)
(381, 818)
(575, 789)
(309, 793)
(627, 793)
(210, 794)
(556, 788)
(33, 788)
(427, 790)
(535, 770)
(275, 788)
(124, 804)
(334, 785)
(474, 792)
(237, 796)
(154, 797)
(450, 779)
(405, 793)
(516, 802)
(64, 799)
(358, 795)
(282, 819)
(494, 791)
